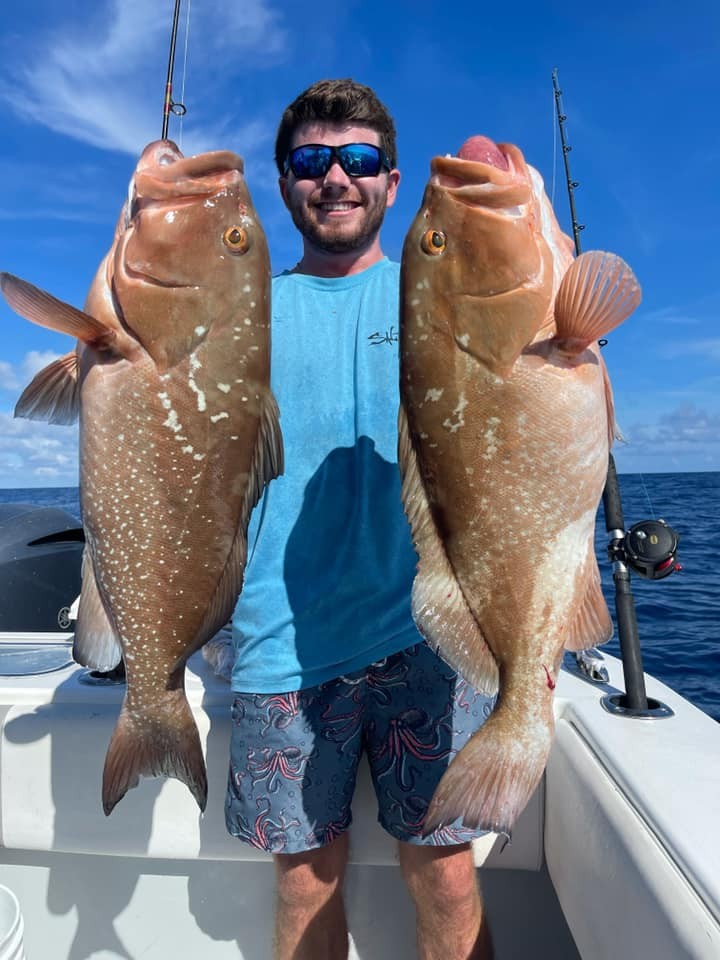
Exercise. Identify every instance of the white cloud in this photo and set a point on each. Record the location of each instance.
(33, 453)
(35, 361)
(685, 428)
(8, 377)
(684, 439)
(94, 81)
(37, 454)
(16, 378)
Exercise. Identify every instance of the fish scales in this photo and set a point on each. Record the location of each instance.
(179, 433)
(505, 425)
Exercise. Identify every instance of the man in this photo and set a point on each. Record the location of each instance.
(328, 660)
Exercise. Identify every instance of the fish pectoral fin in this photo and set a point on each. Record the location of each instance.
(159, 739)
(53, 394)
(95, 643)
(592, 624)
(42, 308)
(439, 607)
(597, 293)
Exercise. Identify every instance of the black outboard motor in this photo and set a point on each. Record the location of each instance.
(41, 552)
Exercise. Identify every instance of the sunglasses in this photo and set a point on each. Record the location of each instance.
(315, 159)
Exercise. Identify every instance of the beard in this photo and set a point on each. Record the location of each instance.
(336, 237)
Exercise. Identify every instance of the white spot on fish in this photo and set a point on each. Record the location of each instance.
(434, 395)
(172, 422)
(220, 416)
(170, 216)
(195, 364)
(199, 331)
(187, 449)
(492, 444)
(199, 456)
(225, 387)
(457, 412)
(464, 339)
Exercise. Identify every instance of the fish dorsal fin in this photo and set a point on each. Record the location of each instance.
(268, 463)
(439, 607)
(95, 643)
(47, 311)
(53, 393)
(597, 293)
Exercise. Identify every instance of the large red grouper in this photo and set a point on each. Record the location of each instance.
(179, 434)
(505, 426)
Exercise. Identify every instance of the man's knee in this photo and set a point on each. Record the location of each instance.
(311, 877)
(445, 875)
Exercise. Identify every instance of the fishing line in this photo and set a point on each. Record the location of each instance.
(647, 497)
(184, 70)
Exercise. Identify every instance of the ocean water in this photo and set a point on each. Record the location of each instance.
(678, 617)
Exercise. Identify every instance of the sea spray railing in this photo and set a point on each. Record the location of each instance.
(649, 547)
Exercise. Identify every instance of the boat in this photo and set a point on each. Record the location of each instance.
(616, 855)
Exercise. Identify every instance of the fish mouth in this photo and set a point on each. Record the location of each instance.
(163, 174)
(503, 185)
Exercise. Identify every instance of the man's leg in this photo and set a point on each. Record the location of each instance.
(422, 714)
(310, 919)
(293, 765)
(451, 923)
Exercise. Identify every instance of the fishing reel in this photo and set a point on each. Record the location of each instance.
(649, 548)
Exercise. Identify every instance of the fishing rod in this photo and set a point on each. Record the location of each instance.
(649, 548)
(169, 105)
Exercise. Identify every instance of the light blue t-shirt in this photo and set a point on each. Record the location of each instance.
(330, 557)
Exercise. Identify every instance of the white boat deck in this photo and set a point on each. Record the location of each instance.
(618, 854)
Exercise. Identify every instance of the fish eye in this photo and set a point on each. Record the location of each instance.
(434, 242)
(236, 239)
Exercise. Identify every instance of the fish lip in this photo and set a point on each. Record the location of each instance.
(168, 163)
(479, 184)
(163, 173)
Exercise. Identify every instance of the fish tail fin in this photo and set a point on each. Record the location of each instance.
(598, 292)
(160, 740)
(490, 781)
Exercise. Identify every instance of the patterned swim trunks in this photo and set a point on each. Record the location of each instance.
(294, 756)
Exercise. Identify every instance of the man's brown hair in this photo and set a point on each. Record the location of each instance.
(336, 101)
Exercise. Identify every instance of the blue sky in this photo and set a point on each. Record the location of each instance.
(81, 92)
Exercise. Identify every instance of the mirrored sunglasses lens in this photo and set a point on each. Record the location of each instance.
(310, 162)
(360, 160)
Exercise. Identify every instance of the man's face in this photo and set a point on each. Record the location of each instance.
(338, 213)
